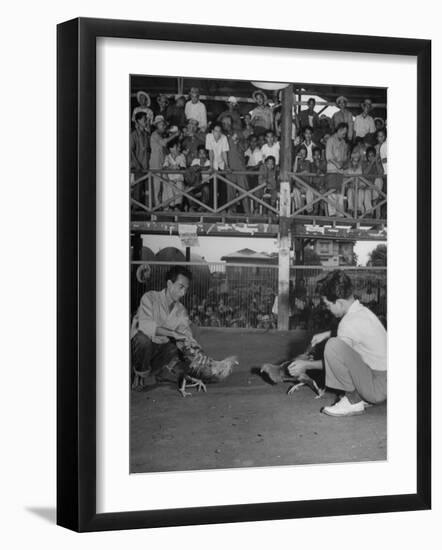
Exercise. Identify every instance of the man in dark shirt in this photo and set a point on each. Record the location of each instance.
(139, 153)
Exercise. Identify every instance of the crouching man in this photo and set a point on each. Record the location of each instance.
(159, 323)
(356, 360)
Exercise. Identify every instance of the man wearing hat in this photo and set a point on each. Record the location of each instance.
(196, 109)
(233, 112)
(343, 115)
(143, 106)
(364, 123)
(262, 115)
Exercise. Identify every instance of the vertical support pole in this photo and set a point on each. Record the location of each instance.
(284, 209)
(187, 253)
(215, 192)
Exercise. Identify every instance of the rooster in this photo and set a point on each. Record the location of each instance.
(198, 367)
(280, 373)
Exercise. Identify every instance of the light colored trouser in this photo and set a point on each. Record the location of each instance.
(345, 370)
(363, 199)
(335, 200)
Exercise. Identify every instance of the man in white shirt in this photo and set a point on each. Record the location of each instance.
(218, 147)
(356, 360)
(364, 123)
(196, 109)
(159, 323)
(271, 147)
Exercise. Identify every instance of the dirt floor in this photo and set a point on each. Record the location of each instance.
(243, 421)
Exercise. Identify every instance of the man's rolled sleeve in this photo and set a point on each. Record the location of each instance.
(146, 323)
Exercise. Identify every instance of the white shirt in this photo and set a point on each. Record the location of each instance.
(255, 156)
(198, 112)
(271, 151)
(364, 125)
(383, 154)
(362, 331)
(218, 147)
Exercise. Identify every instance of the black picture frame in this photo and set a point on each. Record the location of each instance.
(76, 274)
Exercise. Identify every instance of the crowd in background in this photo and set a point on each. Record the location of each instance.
(330, 155)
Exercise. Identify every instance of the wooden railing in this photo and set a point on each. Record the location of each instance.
(253, 200)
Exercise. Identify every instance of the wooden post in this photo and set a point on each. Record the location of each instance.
(284, 208)
(187, 253)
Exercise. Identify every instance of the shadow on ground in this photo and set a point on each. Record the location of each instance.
(244, 421)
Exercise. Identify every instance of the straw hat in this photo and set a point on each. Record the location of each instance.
(341, 98)
(146, 95)
(256, 93)
(232, 99)
(158, 119)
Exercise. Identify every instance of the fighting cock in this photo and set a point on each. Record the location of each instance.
(198, 367)
(280, 373)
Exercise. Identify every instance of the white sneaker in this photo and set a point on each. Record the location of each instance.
(344, 408)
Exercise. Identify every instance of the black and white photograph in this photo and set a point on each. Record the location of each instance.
(258, 273)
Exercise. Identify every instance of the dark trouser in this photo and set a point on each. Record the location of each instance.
(150, 357)
(345, 370)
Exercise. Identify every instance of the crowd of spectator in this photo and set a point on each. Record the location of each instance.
(330, 155)
(256, 307)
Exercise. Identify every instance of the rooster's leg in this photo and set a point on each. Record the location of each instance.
(182, 388)
(295, 387)
(319, 391)
(196, 384)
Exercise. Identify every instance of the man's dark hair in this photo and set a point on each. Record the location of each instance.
(370, 150)
(316, 149)
(308, 128)
(140, 115)
(311, 99)
(335, 285)
(270, 157)
(201, 147)
(342, 125)
(172, 274)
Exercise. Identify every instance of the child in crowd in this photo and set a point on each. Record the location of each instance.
(268, 177)
(253, 155)
(174, 160)
(362, 202)
(318, 168)
(302, 167)
(307, 143)
(271, 147)
(201, 167)
(373, 172)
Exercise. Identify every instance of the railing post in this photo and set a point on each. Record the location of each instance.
(215, 192)
(356, 200)
(149, 185)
